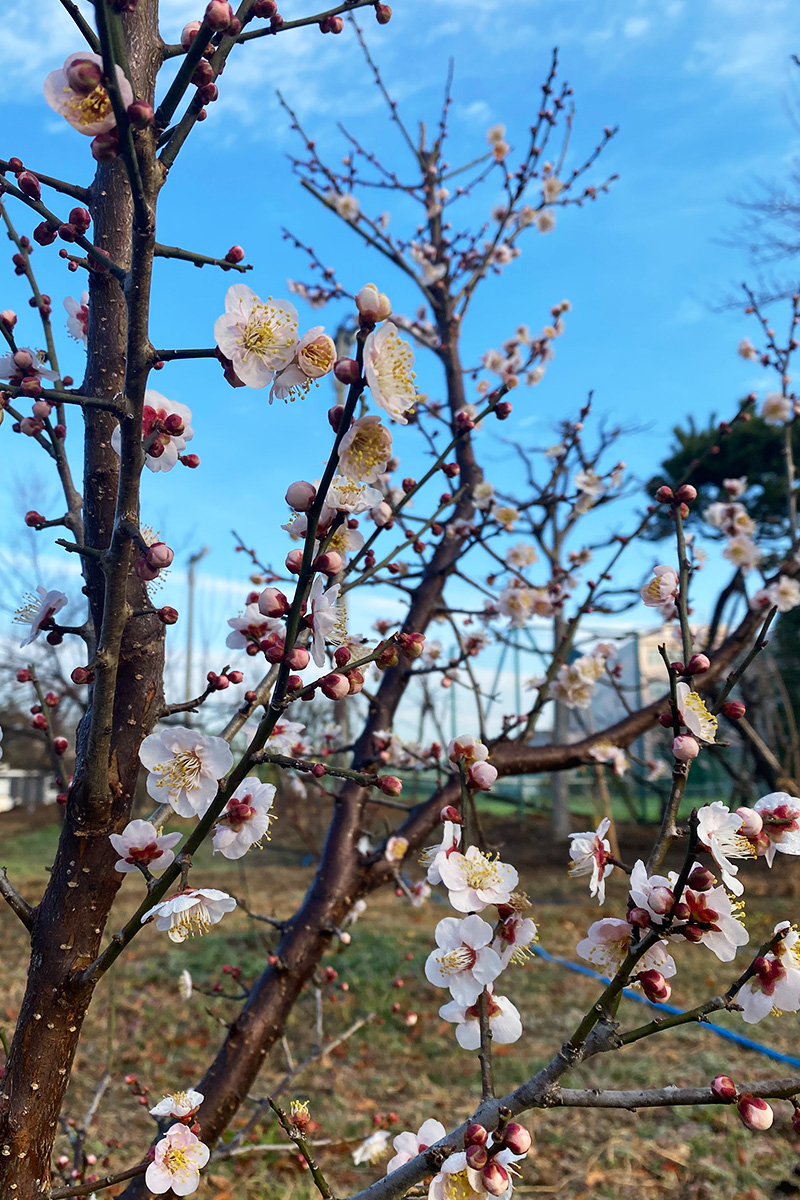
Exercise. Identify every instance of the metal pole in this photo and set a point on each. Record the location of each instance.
(193, 561)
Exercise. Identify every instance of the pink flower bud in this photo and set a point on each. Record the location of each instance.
(411, 644)
(638, 916)
(495, 1179)
(685, 748)
(390, 785)
(752, 823)
(39, 722)
(481, 775)
(30, 426)
(517, 1138)
(356, 680)
(44, 234)
(273, 603)
(373, 305)
(300, 495)
(449, 813)
(347, 371)
(755, 1113)
(80, 218)
(294, 561)
(143, 570)
(697, 664)
(167, 615)
(23, 359)
(734, 710)
(335, 686)
(332, 25)
(661, 900)
(329, 563)
(273, 647)
(476, 1135)
(335, 415)
(218, 15)
(42, 409)
(293, 683)
(654, 986)
(381, 514)
(265, 9)
(81, 675)
(664, 495)
(9, 318)
(723, 1087)
(235, 255)
(140, 114)
(686, 494)
(105, 147)
(159, 555)
(342, 656)
(700, 879)
(298, 658)
(60, 745)
(189, 33)
(83, 76)
(383, 14)
(503, 409)
(477, 1157)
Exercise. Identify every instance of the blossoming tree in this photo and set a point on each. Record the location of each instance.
(108, 90)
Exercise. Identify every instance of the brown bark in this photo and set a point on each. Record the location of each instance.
(68, 923)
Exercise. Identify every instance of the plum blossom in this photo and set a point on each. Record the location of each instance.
(662, 588)
(259, 337)
(776, 981)
(783, 594)
(250, 628)
(179, 1158)
(589, 483)
(184, 767)
(574, 683)
(735, 487)
(388, 366)
(78, 317)
(75, 91)
(373, 1148)
(326, 618)
(408, 1145)
(605, 752)
(365, 449)
(285, 737)
(347, 495)
(140, 843)
(742, 552)
(746, 349)
(246, 818)
(780, 815)
(483, 495)
(185, 985)
(434, 856)
(694, 714)
(457, 1181)
(178, 1105)
(463, 961)
(520, 556)
(718, 829)
(10, 367)
(776, 409)
(474, 880)
(192, 911)
(315, 356)
(166, 429)
(38, 612)
(514, 934)
(590, 854)
(606, 945)
(505, 1023)
(710, 918)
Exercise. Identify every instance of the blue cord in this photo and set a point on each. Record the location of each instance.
(727, 1034)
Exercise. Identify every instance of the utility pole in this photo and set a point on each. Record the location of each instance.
(193, 561)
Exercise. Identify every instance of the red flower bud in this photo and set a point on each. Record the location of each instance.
(83, 76)
(44, 234)
(140, 114)
(39, 721)
(477, 1157)
(34, 519)
(723, 1087)
(347, 371)
(517, 1138)
(167, 615)
(82, 675)
(700, 879)
(664, 495)
(476, 1135)
(449, 813)
(654, 986)
(383, 14)
(755, 1113)
(502, 410)
(80, 218)
(734, 710)
(105, 147)
(335, 415)
(686, 494)
(697, 664)
(60, 745)
(342, 656)
(390, 785)
(23, 675)
(235, 255)
(495, 1179)
(218, 15)
(335, 686)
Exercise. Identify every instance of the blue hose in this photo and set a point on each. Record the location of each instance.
(727, 1034)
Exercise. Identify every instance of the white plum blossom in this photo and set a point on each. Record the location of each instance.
(185, 985)
(325, 617)
(457, 1181)
(419, 893)
(388, 366)
(9, 368)
(662, 588)
(178, 1105)
(78, 317)
(776, 409)
(245, 819)
(408, 1145)
(711, 913)
(514, 934)
(718, 829)
(590, 853)
(87, 108)
(347, 206)
(259, 337)
(166, 428)
(434, 856)
(780, 815)
(373, 1148)
(775, 985)
(783, 594)
(250, 628)
(505, 1023)
(589, 483)
(545, 221)
(606, 945)
(520, 556)
(140, 842)
(463, 961)
(184, 767)
(474, 880)
(38, 611)
(694, 714)
(315, 356)
(365, 449)
(505, 515)
(348, 495)
(285, 737)
(178, 1159)
(742, 552)
(746, 349)
(614, 756)
(735, 487)
(192, 911)
(483, 495)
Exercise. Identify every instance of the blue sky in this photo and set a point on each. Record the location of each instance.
(700, 93)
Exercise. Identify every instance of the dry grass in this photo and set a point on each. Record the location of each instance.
(395, 1075)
